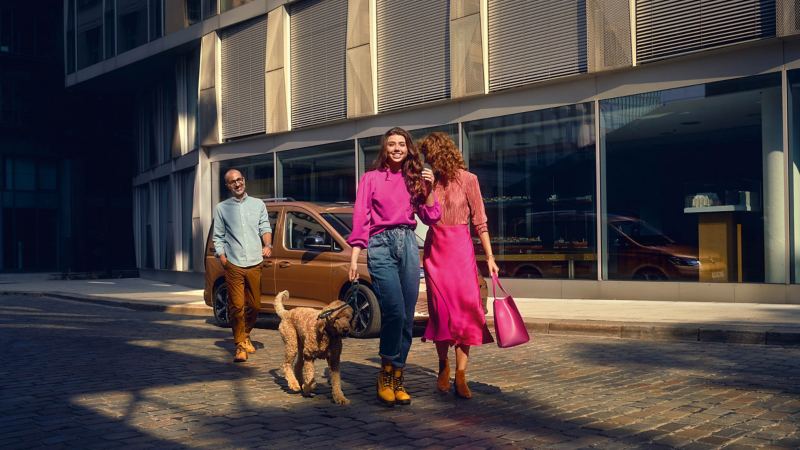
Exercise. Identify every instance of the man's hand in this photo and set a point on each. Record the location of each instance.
(223, 259)
(266, 251)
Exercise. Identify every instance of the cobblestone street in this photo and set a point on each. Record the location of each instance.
(80, 375)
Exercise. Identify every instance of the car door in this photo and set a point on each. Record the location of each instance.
(268, 270)
(304, 272)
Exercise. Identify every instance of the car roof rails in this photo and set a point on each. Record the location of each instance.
(279, 199)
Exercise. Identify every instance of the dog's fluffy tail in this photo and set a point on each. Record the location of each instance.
(279, 309)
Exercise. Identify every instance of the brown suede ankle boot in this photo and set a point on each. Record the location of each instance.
(461, 384)
(443, 383)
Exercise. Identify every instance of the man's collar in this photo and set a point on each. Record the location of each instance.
(244, 197)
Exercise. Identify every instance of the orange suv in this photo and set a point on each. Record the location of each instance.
(311, 259)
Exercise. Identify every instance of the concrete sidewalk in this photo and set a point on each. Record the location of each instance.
(708, 322)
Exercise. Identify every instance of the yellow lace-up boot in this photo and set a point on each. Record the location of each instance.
(401, 397)
(386, 386)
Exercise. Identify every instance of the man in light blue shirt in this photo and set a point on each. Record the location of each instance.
(242, 239)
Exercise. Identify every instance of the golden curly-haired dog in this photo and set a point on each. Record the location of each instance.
(311, 338)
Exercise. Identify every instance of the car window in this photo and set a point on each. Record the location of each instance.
(273, 219)
(299, 226)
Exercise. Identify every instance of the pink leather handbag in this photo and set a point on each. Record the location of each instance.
(508, 324)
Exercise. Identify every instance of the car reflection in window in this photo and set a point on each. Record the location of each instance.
(299, 226)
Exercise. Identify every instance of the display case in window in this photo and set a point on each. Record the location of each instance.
(743, 195)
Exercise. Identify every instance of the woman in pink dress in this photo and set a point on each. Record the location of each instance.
(451, 274)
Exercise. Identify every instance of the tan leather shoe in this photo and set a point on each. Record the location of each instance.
(461, 384)
(386, 386)
(241, 353)
(443, 383)
(248, 345)
(401, 397)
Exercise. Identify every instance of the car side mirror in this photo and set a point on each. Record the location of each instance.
(315, 242)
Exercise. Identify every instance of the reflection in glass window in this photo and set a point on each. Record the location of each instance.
(536, 172)
(131, 24)
(70, 36)
(210, 8)
(258, 173)
(794, 166)
(109, 22)
(24, 175)
(369, 148)
(47, 176)
(226, 5)
(299, 226)
(155, 19)
(325, 173)
(187, 209)
(694, 183)
(90, 32)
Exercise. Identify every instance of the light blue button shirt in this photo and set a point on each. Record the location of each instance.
(238, 227)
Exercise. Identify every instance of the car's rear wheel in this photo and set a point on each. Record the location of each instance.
(221, 311)
(366, 313)
(650, 275)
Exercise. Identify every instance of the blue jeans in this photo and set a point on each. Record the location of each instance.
(393, 263)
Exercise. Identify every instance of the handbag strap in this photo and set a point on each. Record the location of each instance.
(495, 280)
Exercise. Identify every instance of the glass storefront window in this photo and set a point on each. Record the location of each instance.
(369, 148)
(155, 19)
(226, 5)
(537, 176)
(325, 173)
(258, 172)
(210, 8)
(794, 166)
(694, 183)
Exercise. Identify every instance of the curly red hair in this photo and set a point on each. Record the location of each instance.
(443, 155)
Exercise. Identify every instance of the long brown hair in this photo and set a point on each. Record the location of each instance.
(412, 165)
(442, 154)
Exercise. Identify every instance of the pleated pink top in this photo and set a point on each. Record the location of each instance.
(462, 200)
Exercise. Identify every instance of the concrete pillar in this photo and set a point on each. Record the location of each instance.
(796, 209)
(469, 56)
(362, 58)
(278, 76)
(773, 188)
(209, 94)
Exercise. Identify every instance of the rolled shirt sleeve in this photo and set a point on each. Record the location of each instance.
(263, 221)
(219, 232)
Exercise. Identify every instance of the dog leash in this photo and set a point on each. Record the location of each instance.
(326, 314)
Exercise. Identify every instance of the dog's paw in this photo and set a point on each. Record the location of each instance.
(294, 386)
(308, 387)
(341, 400)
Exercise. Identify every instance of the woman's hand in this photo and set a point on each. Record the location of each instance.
(427, 175)
(354, 263)
(493, 269)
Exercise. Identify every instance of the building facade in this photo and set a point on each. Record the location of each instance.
(626, 149)
(51, 140)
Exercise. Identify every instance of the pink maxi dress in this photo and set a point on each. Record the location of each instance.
(451, 273)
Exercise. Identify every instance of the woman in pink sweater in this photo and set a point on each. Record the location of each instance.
(383, 223)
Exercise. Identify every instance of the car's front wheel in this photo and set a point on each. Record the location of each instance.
(366, 313)
(221, 311)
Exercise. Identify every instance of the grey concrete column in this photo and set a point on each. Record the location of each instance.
(795, 193)
(362, 75)
(208, 107)
(278, 76)
(202, 210)
(773, 187)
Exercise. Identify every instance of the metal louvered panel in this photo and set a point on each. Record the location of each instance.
(413, 52)
(671, 28)
(535, 40)
(319, 40)
(608, 25)
(243, 55)
(788, 17)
